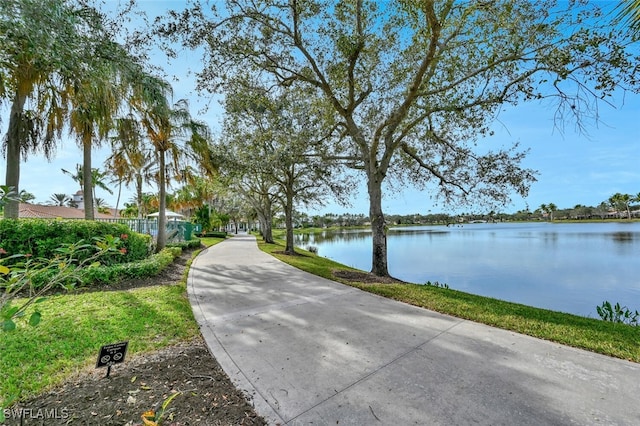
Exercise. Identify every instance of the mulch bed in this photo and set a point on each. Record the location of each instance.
(206, 395)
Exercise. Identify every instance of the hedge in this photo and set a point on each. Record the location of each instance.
(153, 265)
(40, 237)
(213, 234)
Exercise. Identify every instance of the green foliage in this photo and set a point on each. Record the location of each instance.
(75, 327)
(151, 266)
(156, 417)
(24, 274)
(202, 216)
(42, 237)
(184, 245)
(7, 193)
(437, 284)
(618, 314)
(150, 317)
(213, 234)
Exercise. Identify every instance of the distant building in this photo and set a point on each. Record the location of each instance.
(78, 199)
(40, 211)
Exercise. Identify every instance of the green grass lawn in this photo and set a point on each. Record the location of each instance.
(75, 326)
(617, 340)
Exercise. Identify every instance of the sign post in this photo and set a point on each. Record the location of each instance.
(111, 354)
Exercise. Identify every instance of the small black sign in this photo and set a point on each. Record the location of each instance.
(112, 354)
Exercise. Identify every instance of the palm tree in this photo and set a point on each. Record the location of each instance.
(39, 50)
(97, 180)
(25, 196)
(149, 203)
(165, 126)
(151, 99)
(543, 208)
(97, 98)
(59, 199)
(101, 205)
(548, 209)
(629, 12)
(621, 202)
(95, 103)
(131, 161)
(77, 176)
(130, 210)
(635, 199)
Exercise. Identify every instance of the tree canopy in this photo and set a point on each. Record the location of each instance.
(414, 86)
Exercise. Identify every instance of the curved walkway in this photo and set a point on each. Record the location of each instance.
(312, 351)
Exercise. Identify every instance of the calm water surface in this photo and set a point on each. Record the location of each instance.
(564, 267)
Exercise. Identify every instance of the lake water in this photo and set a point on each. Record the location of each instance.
(568, 267)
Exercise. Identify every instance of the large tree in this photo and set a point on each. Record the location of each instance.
(172, 132)
(38, 40)
(416, 84)
(275, 134)
(58, 67)
(96, 98)
(132, 160)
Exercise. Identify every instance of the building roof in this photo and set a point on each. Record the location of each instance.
(40, 211)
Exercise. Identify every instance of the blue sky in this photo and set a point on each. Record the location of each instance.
(573, 168)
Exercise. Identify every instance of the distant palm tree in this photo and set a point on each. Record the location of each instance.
(548, 209)
(130, 210)
(97, 178)
(543, 208)
(59, 199)
(101, 205)
(621, 202)
(25, 196)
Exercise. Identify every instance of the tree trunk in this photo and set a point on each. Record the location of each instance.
(161, 241)
(267, 231)
(12, 177)
(87, 178)
(115, 211)
(139, 195)
(265, 226)
(288, 221)
(378, 228)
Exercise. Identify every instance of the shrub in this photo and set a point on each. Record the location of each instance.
(42, 237)
(109, 274)
(34, 276)
(213, 234)
(186, 245)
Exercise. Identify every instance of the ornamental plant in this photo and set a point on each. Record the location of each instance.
(618, 314)
(28, 278)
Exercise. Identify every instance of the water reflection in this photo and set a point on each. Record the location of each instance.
(624, 237)
(565, 267)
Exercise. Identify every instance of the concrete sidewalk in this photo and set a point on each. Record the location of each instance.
(312, 351)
